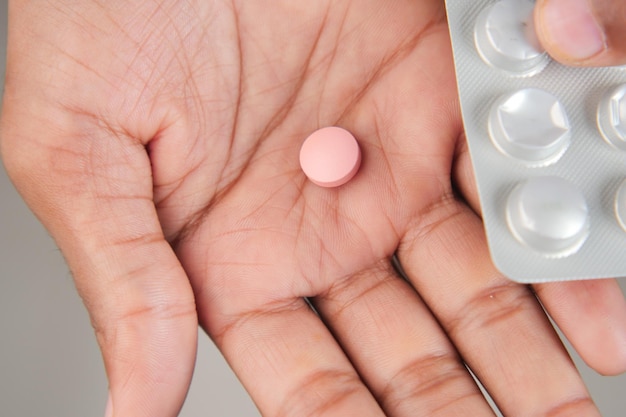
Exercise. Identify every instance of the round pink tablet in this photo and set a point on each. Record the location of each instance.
(330, 157)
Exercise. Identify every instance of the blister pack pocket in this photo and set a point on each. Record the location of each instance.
(547, 143)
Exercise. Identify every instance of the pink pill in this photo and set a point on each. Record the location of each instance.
(330, 157)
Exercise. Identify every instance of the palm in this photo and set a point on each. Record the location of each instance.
(252, 209)
(222, 95)
(254, 235)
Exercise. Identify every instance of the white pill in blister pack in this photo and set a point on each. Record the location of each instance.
(620, 205)
(612, 117)
(530, 125)
(505, 38)
(548, 214)
(548, 147)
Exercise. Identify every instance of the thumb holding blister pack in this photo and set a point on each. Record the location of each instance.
(583, 32)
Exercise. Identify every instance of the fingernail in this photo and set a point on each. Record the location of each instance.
(109, 410)
(571, 26)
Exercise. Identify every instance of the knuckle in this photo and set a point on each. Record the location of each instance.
(573, 407)
(498, 304)
(241, 319)
(158, 311)
(142, 317)
(333, 389)
(427, 383)
(359, 288)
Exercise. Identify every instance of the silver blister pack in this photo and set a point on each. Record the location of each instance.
(548, 147)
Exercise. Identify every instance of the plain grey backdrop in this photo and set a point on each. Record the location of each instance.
(49, 360)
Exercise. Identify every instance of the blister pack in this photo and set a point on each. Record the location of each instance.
(547, 143)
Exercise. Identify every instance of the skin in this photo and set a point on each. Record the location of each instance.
(609, 16)
(158, 142)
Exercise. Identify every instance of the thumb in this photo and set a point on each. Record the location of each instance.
(583, 32)
(92, 190)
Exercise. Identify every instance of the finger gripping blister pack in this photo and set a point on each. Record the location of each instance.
(547, 143)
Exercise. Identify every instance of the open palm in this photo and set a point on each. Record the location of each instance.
(161, 150)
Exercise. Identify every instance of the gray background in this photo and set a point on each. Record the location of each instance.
(49, 360)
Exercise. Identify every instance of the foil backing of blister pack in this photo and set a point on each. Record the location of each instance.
(588, 161)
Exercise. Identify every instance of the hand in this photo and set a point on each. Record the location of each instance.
(158, 142)
(583, 32)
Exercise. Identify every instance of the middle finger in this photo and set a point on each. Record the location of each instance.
(397, 347)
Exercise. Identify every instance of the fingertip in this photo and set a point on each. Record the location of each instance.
(610, 361)
(570, 31)
(150, 367)
(108, 411)
(606, 351)
(583, 32)
(592, 316)
(613, 361)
